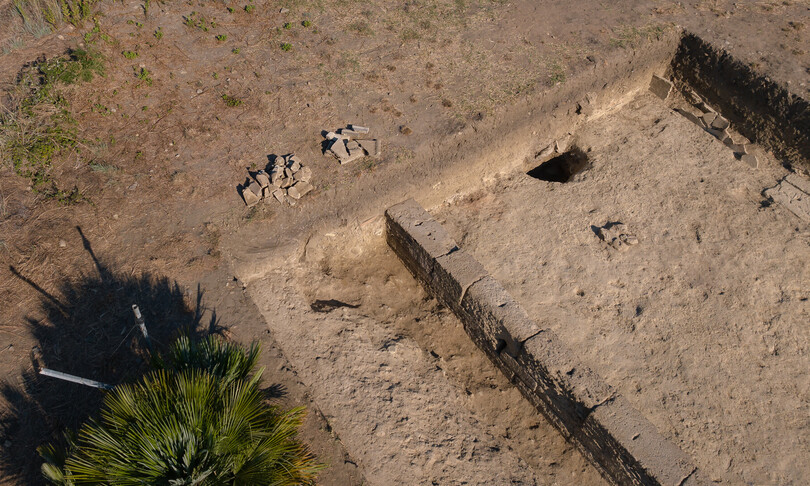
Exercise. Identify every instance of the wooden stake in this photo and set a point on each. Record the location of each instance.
(142, 325)
(74, 379)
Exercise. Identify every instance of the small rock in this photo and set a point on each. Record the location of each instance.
(279, 194)
(199, 91)
(359, 129)
(295, 166)
(115, 216)
(546, 151)
(330, 135)
(133, 187)
(293, 192)
(252, 198)
(303, 188)
(358, 154)
(263, 179)
(291, 201)
(287, 182)
(751, 160)
(345, 132)
(720, 123)
(660, 87)
(338, 148)
(283, 10)
(62, 243)
(303, 175)
(560, 146)
(708, 118)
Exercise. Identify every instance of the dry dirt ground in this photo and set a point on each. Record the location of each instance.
(397, 393)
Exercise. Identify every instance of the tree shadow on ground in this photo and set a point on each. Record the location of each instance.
(87, 328)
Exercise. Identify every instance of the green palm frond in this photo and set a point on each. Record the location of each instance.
(199, 419)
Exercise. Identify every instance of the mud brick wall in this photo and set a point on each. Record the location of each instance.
(616, 438)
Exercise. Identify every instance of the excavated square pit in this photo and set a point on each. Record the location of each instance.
(667, 270)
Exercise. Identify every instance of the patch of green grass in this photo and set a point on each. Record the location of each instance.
(288, 25)
(231, 101)
(96, 33)
(80, 65)
(235, 50)
(557, 75)
(306, 23)
(250, 8)
(286, 46)
(158, 33)
(130, 54)
(36, 125)
(144, 75)
(198, 21)
(221, 38)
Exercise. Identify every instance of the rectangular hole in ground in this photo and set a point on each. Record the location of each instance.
(561, 168)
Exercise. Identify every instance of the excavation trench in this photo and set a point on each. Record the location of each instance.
(693, 309)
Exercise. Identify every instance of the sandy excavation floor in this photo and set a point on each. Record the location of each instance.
(702, 324)
(401, 384)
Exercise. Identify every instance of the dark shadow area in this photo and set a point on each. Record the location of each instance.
(561, 168)
(87, 328)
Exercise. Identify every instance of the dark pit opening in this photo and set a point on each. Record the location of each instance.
(561, 168)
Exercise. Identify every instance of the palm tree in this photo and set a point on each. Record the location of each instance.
(199, 418)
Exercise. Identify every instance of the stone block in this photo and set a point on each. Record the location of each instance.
(279, 194)
(359, 129)
(720, 123)
(708, 118)
(304, 175)
(262, 178)
(338, 147)
(660, 87)
(453, 274)
(252, 194)
(416, 237)
(504, 322)
(627, 445)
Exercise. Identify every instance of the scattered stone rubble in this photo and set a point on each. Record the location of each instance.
(288, 181)
(352, 143)
(709, 120)
(616, 235)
